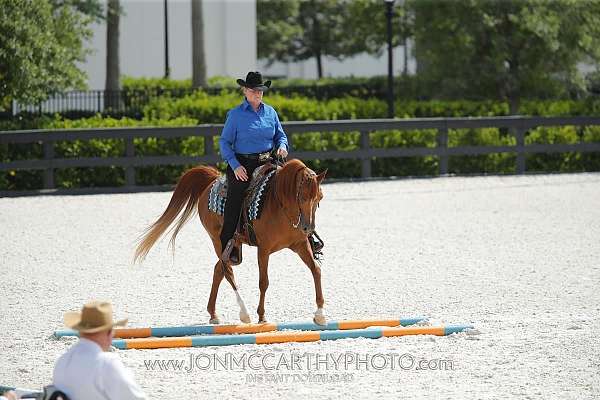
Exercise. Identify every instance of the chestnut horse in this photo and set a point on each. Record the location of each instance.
(287, 218)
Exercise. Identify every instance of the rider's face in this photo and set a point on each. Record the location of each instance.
(254, 95)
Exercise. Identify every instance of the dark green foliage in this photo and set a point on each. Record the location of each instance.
(41, 43)
(202, 108)
(508, 50)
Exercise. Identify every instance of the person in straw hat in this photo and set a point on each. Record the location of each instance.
(87, 370)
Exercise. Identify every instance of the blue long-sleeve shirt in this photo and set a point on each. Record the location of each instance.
(247, 131)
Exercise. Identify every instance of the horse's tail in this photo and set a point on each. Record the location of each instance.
(190, 187)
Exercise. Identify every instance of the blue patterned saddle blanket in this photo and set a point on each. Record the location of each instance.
(257, 191)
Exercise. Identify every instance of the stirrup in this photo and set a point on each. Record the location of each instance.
(316, 245)
(232, 253)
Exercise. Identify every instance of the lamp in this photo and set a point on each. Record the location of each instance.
(389, 12)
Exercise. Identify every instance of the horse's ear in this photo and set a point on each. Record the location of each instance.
(321, 176)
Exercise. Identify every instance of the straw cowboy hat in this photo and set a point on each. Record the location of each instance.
(95, 316)
(254, 81)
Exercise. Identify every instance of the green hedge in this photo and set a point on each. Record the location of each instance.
(202, 108)
(405, 87)
(205, 108)
(212, 109)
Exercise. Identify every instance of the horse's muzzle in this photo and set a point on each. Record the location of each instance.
(307, 227)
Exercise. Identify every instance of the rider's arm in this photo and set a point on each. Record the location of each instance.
(280, 138)
(227, 139)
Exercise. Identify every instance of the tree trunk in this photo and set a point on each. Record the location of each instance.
(419, 47)
(316, 39)
(319, 58)
(405, 64)
(198, 56)
(514, 85)
(514, 103)
(113, 79)
(404, 40)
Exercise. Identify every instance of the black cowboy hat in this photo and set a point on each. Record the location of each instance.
(254, 81)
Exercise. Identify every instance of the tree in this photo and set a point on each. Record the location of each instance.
(277, 26)
(369, 27)
(113, 70)
(324, 32)
(198, 55)
(505, 49)
(368, 24)
(294, 30)
(41, 43)
(91, 8)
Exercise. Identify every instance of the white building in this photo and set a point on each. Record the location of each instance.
(230, 45)
(229, 32)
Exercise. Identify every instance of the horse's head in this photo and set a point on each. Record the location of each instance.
(298, 189)
(309, 196)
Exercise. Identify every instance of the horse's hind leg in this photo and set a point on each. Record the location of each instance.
(305, 253)
(228, 271)
(220, 272)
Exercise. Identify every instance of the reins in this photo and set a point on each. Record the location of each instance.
(279, 162)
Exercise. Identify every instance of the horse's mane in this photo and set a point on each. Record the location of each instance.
(283, 189)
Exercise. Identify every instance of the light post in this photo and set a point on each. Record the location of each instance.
(389, 12)
(167, 69)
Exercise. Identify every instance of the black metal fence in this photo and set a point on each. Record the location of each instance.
(517, 125)
(120, 102)
(130, 102)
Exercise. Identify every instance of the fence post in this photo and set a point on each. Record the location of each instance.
(365, 144)
(130, 169)
(49, 172)
(442, 144)
(520, 148)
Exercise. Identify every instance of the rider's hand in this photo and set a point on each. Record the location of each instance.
(10, 395)
(282, 152)
(241, 174)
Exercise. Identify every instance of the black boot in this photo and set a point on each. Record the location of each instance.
(232, 253)
(234, 257)
(316, 244)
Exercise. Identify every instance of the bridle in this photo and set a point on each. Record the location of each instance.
(301, 218)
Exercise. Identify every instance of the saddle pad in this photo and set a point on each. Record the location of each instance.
(257, 190)
(257, 201)
(218, 195)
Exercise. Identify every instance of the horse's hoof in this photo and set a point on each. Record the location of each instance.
(214, 321)
(319, 317)
(262, 321)
(245, 318)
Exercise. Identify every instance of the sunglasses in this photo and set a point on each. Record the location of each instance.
(255, 91)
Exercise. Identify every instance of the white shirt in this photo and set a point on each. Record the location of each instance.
(85, 372)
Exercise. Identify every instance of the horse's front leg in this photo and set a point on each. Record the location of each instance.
(263, 282)
(304, 251)
(212, 300)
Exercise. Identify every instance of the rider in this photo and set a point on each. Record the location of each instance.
(252, 130)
